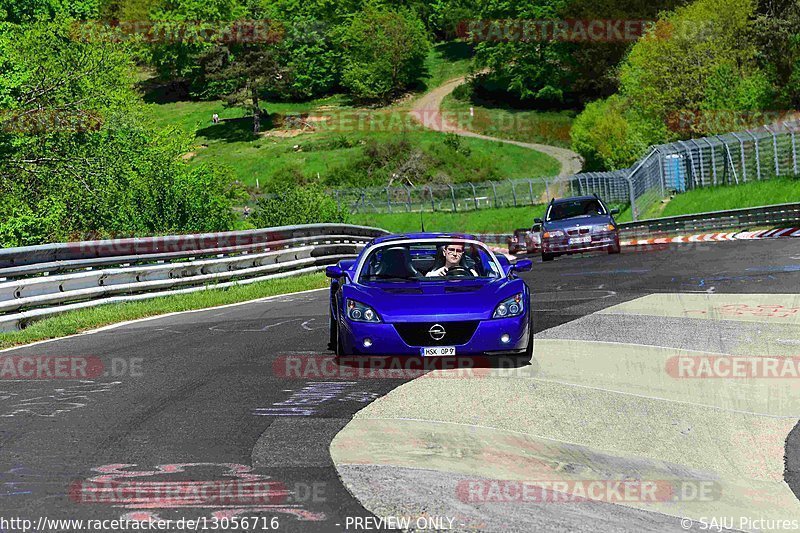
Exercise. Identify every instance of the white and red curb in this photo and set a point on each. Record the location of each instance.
(715, 237)
(698, 237)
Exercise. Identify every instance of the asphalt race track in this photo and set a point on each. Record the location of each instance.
(214, 399)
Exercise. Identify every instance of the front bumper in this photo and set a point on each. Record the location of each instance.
(600, 241)
(486, 340)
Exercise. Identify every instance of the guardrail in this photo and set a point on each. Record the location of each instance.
(771, 215)
(157, 266)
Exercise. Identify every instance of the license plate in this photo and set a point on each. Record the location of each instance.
(580, 240)
(438, 351)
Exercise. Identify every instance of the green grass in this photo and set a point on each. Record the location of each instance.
(85, 319)
(447, 61)
(544, 127)
(752, 194)
(261, 157)
(499, 220)
(256, 159)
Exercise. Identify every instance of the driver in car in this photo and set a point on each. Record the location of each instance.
(453, 253)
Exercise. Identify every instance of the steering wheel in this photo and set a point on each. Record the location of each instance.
(459, 271)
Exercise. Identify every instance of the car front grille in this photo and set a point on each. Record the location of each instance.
(577, 231)
(417, 333)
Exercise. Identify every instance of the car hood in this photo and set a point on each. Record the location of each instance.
(434, 300)
(578, 221)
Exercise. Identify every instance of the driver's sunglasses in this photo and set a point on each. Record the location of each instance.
(455, 250)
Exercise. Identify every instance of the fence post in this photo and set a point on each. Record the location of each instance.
(634, 214)
(730, 158)
(794, 149)
(513, 192)
(388, 200)
(774, 150)
(530, 190)
(547, 189)
(758, 154)
(661, 172)
(433, 204)
(741, 151)
(474, 196)
(494, 188)
(713, 160)
(408, 196)
(453, 196)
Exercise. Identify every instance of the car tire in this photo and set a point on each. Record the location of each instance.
(333, 336)
(339, 344)
(615, 248)
(547, 257)
(529, 348)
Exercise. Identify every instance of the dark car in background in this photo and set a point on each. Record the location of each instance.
(578, 224)
(525, 240)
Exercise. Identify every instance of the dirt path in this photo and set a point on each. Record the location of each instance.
(427, 110)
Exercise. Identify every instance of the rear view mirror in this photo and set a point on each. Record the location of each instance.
(522, 265)
(334, 271)
(538, 221)
(614, 211)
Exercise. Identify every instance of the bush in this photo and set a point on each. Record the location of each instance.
(297, 205)
(385, 52)
(610, 136)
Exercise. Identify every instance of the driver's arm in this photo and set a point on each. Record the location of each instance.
(438, 272)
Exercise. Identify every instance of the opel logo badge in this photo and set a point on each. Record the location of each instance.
(437, 332)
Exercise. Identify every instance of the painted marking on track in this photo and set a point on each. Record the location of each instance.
(304, 325)
(306, 401)
(239, 491)
(258, 330)
(44, 403)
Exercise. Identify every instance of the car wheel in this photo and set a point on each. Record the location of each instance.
(332, 337)
(615, 248)
(529, 348)
(547, 257)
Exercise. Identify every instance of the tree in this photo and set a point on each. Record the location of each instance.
(178, 60)
(77, 158)
(385, 51)
(244, 73)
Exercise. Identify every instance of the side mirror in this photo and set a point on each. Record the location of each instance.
(334, 272)
(538, 221)
(614, 211)
(522, 265)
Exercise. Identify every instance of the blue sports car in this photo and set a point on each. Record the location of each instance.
(429, 294)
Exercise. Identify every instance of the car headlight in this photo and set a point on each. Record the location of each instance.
(359, 312)
(510, 307)
(553, 234)
(603, 228)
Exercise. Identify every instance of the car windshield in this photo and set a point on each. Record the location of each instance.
(575, 208)
(429, 261)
